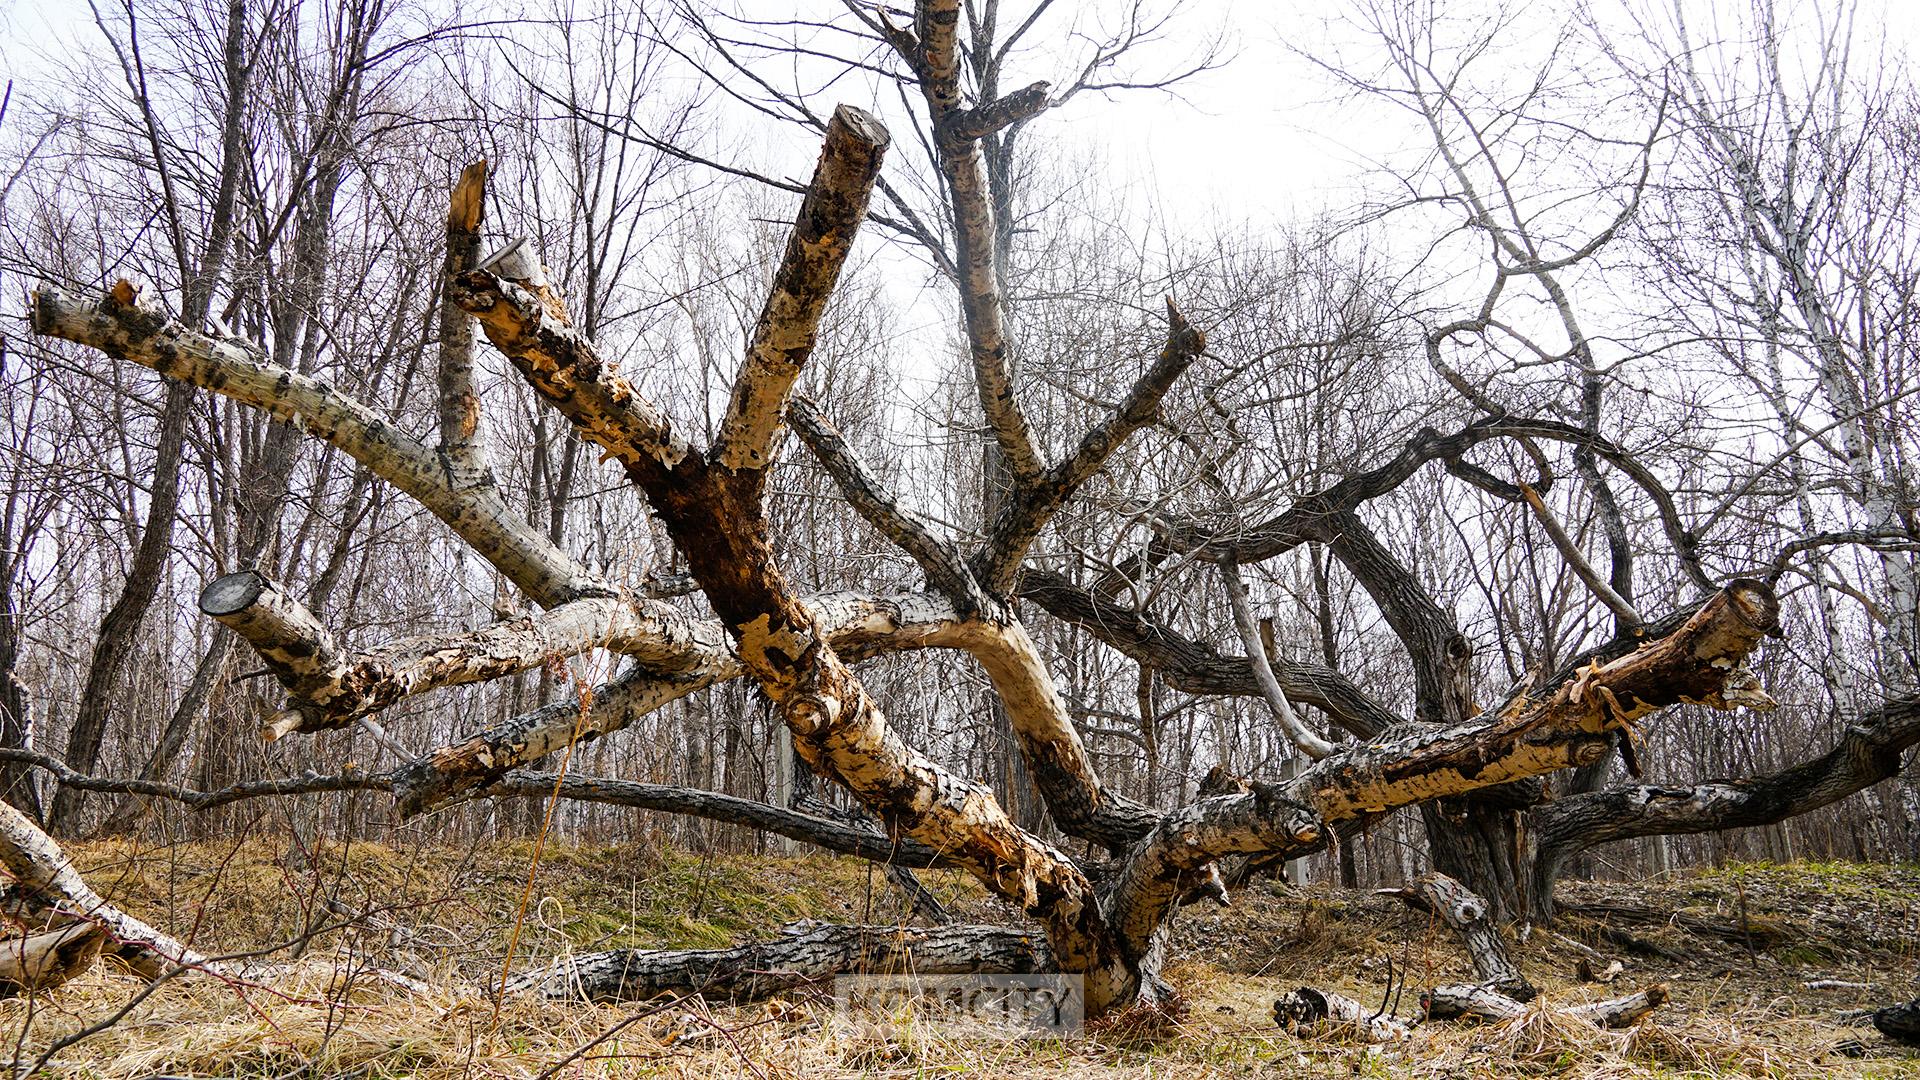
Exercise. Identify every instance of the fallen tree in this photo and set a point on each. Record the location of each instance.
(1103, 914)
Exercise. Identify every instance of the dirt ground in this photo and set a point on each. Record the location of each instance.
(1764, 965)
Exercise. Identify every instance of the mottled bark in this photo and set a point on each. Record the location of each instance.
(1565, 725)
(809, 956)
(119, 325)
(1469, 916)
(858, 626)
(330, 688)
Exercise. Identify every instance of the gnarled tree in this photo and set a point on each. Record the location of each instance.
(1101, 914)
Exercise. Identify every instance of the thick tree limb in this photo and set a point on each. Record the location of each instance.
(937, 66)
(764, 968)
(330, 688)
(1032, 506)
(822, 236)
(40, 867)
(1081, 806)
(459, 405)
(1049, 743)
(857, 625)
(978, 123)
(1568, 725)
(1870, 751)
(837, 728)
(237, 369)
(1469, 916)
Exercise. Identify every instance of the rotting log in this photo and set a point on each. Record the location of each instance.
(36, 962)
(809, 956)
(1322, 1013)
(1484, 1003)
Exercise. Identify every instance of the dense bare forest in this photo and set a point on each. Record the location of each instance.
(760, 427)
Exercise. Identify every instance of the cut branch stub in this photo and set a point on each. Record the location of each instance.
(286, 635)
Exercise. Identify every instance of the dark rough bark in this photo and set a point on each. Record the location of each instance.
(1194, 666)
(764, 968)
(1901, 1023)
(119, 632)
(1870, 751)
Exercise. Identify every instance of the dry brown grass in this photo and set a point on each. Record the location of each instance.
(443, 917)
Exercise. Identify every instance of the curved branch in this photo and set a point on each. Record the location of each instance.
(1196, 667)
(1297, 733)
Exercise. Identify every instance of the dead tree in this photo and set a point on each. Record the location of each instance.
(1099, 919)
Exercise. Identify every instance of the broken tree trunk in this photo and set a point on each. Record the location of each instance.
(1322, 1013)
(45, 960)
(1468, 916)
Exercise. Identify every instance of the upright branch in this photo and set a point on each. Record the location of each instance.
(459, 404)
(1297, 732)
(1029, 509)
(931, 51)
(783, 338)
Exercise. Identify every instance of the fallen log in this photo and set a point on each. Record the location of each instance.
(763, 968)
(1483, 1003)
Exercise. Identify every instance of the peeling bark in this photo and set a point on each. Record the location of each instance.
(857, 625)
(330, 688)
(1565, 726)
(823, 233)
(1469, 916)
(1322, 1013)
